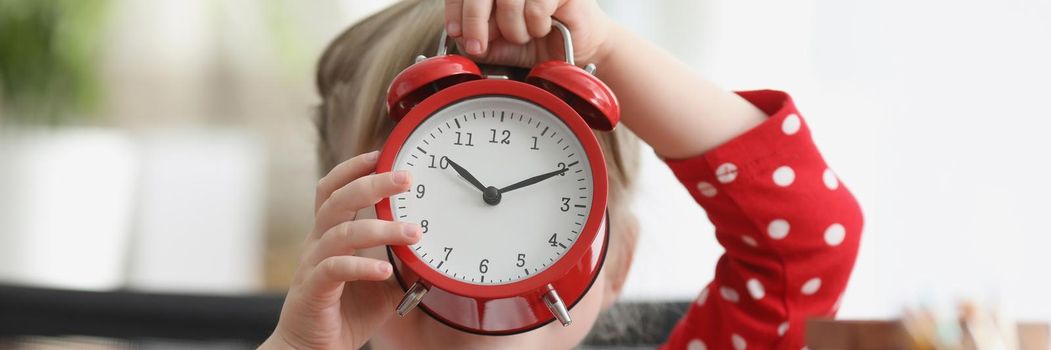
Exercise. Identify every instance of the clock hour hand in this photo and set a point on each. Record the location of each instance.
(466, 175)
(533, 180)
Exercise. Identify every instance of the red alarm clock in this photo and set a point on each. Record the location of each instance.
(509, 189)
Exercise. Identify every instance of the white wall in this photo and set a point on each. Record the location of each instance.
(932, 112)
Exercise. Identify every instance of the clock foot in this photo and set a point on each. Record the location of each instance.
(412, 298)
(557, 307)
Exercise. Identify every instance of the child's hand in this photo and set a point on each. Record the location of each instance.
(337, 300)
(503, 31)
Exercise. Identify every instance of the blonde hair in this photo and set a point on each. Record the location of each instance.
(352, 79)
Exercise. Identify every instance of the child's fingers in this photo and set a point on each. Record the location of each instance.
(344, 173)
(538, 16)
(327, 278)
(511, 21)
(365, 191)
(475, 23)
(453, 13)
(349, 236)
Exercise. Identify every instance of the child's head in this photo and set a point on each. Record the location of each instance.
(352, 79)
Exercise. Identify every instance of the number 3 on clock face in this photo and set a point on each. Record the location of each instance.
(529, 161)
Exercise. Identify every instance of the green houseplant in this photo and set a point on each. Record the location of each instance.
(48, 60)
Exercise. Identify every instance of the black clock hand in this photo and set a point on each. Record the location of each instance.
(466, 175)
(533, 180)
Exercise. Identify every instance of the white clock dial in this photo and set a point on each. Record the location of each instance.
(501, 141)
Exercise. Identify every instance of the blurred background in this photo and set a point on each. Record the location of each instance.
(167, 146)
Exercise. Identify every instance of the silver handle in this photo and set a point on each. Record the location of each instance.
(567, 41)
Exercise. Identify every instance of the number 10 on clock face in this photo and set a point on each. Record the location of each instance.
(501, 188)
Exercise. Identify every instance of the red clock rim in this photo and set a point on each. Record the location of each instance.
(509, 88)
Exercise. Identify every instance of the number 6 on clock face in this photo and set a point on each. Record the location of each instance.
(492, 240)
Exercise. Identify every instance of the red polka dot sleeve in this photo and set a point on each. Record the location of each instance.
(789, 227)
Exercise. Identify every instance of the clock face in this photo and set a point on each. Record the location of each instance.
(505, 143)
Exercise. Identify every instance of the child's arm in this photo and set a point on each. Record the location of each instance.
(666, 103)
(790, 229)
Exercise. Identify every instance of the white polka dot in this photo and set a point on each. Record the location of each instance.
(811, 286)
(738, 341)
(755, 289)
(726, 173)
(778, 229)
(729, 294)
(701, 298)
(791, 124)
(751, 242)
(784, 176)
(830, 179)
(707, 189)
(782, 328)
(835, 234)
(696, 344)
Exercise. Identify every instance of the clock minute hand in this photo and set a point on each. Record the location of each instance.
(533, 180)
(466, 175)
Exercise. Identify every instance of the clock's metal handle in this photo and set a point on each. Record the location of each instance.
(557, 307)
(567, 43)
(412, 297)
